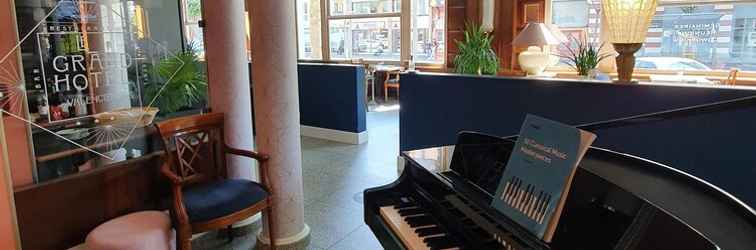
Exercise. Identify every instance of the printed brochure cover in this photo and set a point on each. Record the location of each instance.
(535, 182)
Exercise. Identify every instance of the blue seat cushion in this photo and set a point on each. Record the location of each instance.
(217, 199)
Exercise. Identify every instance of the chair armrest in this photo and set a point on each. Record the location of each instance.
(165, 169)
(251, 154)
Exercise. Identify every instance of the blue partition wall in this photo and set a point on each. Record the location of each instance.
(717, 147)
(332, 96)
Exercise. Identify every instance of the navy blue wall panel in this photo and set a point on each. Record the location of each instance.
(718, 147)
(332, 96)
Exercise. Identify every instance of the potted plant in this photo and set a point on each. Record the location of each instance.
(185, 82)
(475, 53)
(584, 57)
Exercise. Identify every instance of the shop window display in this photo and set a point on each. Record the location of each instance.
(94, 76)
(696, 35)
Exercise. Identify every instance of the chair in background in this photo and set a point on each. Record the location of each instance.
(370, 81)
(392, 81)
(204, 198)
(369, 78)
(732, 78)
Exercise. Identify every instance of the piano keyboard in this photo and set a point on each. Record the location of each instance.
(526, 199)
(416, 228)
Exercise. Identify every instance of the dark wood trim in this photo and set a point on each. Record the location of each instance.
(60, 213)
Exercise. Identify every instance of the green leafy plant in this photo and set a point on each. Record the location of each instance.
(184, 82)
(583, 56)
(475, 53)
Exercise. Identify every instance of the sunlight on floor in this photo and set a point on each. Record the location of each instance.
(384, 108)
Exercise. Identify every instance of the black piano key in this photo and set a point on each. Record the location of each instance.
(406, 200)
(417, 221)
(456, 213)
(404, 212)
(439, 242)
(427, 231)
(404, 205)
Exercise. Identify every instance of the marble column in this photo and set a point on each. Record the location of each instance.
(228, 78)
(274, 77)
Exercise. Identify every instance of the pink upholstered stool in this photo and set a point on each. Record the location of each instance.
(148, 230)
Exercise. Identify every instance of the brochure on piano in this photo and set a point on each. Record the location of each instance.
(535, 182)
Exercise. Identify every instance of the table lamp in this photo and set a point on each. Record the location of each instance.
(534, 60)
(628, 22)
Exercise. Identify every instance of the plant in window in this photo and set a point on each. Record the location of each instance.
(186, 82)
(583, 56)
(475, 53)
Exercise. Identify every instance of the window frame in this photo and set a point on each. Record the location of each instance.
(405, 19)
(185, 23)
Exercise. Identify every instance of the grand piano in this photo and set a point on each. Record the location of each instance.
(617, 201)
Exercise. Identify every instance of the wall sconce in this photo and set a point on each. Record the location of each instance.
(628, 22)
(487, 8)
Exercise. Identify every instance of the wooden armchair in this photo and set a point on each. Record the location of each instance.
(204, 198)
(392, 81)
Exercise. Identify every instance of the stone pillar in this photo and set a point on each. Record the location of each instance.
(228, 78)
(274, 77)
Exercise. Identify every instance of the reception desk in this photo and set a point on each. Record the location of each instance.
(718, 147)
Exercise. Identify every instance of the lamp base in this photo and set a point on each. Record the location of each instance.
(626, 60)
(533, 60)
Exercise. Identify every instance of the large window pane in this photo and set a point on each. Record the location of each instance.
(571, 13)
(687, 37)
(192, 30)
(308, 29)
(362, 7)
(696, 35)
(428, 31)
(366, 38)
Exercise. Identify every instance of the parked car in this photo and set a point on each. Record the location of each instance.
(669, 63)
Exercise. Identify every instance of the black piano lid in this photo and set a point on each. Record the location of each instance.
(710, 211)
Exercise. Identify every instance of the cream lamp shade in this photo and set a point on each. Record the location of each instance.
(628, 20)
(536, 34)
(534, 60)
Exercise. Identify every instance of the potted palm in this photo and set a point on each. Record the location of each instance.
(185, 82)
(475, 53)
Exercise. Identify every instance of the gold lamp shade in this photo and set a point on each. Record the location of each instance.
(628, 22)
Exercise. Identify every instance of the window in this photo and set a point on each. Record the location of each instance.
(366, 38)
(429, 30)
(367, 29)
(308, 29)
(192, 31)
(696, 35)
(371, 30)
(93, 75)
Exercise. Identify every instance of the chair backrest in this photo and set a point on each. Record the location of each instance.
(732, 78)
(194, 145)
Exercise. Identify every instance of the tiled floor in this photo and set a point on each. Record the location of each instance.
(335, 175)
